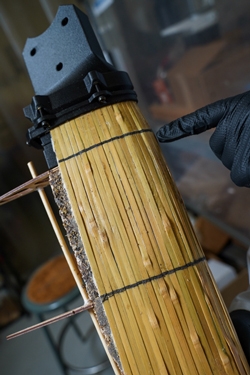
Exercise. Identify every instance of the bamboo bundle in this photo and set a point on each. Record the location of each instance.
(155, 300)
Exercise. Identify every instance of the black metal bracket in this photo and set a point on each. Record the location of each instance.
(70, 77)
(95, 91)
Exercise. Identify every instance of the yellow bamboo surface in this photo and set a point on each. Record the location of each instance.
(163, 309)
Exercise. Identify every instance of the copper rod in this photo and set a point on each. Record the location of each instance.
(40, 181)
(67, 314)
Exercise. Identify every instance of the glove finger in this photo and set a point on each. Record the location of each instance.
(217, 143)
(194, 123)
(240, 172)
(232, 132)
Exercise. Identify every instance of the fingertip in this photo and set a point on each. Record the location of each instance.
(240, 175)
(163, 134)
(170, 132)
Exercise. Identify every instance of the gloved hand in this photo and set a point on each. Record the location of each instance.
(231, 139)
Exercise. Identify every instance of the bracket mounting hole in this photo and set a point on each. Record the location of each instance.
(65, 21)
(59, 66)
(33, 52)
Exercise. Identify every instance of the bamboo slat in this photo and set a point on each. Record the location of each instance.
(156, 302)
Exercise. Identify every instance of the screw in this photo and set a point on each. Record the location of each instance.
(102, 99)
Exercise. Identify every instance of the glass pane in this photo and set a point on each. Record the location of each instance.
(182, 55)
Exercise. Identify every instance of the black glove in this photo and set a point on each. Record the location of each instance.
(231, 139)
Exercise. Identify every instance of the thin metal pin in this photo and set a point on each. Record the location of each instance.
(67, 314)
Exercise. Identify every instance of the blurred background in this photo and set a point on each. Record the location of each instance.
(180, 55)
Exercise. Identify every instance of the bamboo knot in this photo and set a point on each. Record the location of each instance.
(103, 236)
(87, 168)
(92, 224)
(194, 338)
(153, 320)
(163, 289)
(147, 261)
(224, 358)
(166, 223)
(118, 116)
(108, 124)
(173, 295)
(81, 207)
